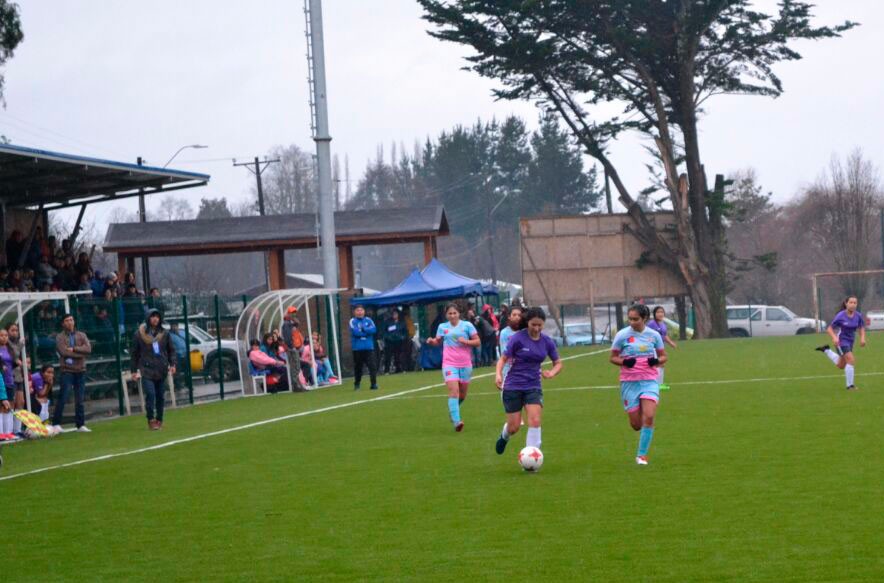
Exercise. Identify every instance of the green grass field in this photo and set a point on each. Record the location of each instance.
(763, 468)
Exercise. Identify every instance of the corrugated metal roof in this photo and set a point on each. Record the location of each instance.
(283, 231)
(31, 177)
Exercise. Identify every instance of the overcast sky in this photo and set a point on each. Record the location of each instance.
(121, 79)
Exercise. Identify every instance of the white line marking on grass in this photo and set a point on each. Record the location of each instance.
(251, 425)
(601, 387)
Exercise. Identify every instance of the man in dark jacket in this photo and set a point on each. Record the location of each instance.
(394, 337)
(153, 358)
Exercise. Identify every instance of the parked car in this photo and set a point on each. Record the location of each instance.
(205, 355)
(576, 334)
(768, 321)
(875, 320)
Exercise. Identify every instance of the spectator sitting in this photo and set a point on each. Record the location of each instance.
(41, 391)
(307, 363)
(85, 285)
(27, 282)
(15, 283)
(97, 285)
(45, 272)
(324, 370)
(261, 361)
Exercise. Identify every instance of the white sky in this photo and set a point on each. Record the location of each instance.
(121, 79)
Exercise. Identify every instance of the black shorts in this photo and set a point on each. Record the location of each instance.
(513, 401)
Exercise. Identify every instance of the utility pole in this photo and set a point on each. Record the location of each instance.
(319, 109)
(260, 166)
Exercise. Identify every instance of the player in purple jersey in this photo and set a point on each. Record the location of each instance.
(526, 350)
(847, 322)
(658, 324)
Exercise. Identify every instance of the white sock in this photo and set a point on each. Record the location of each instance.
(848, 374)
(16, 424)
(44, 411)
(832, 356)
(533, 437)
(7, 422)
(660, 376)
(504, 434)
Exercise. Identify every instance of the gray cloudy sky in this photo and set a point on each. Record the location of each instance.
(121, 79)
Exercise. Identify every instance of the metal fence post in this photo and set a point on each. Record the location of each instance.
(188, 372)
(220, 357)
(118, 347)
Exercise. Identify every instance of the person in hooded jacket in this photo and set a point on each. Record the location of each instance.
(153, 358)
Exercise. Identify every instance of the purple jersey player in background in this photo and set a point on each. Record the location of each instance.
(658, 324)
(847, 322)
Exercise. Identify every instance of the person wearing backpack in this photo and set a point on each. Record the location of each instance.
(294, 342)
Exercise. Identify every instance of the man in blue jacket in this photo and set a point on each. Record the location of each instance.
(362, 333)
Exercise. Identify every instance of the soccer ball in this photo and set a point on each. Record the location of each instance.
(531, 459)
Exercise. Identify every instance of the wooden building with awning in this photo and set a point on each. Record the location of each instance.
(274, 234)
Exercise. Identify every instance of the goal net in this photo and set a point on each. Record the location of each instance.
(831, 289)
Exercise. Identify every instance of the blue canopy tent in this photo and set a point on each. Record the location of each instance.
(435, 283)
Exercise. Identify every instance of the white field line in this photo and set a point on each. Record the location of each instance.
(252, 425)
(679, 384)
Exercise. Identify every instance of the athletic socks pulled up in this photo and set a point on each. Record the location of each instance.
(504, 434)
(454, 409)
(832, 356)
(644, 441)
(849, 374)
(533, 439)
(6, 423)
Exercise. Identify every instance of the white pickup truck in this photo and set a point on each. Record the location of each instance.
(745, 321)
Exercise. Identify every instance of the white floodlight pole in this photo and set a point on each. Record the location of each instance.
(323, 147)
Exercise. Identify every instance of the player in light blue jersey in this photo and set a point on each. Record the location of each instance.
(513, 325)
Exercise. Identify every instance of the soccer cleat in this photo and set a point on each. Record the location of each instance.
(458, 426)
(641, 460)
(83, 429)
(355, 387)
(852, 388)
(159, 424)
(500, 446)
(374, 388)
(822, 348)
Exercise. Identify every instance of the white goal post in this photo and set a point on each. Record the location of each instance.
(817, 276)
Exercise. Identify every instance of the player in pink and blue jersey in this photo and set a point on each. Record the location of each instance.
(458, 337)
(638, 351)
(848, 321)
(658, 324)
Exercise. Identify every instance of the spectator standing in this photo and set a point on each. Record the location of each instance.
(489, 335)
(16, 346)
(7, 362)
(362, 338)
(153, 358)
(394, 336)
(72, 347)
(294, 342)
